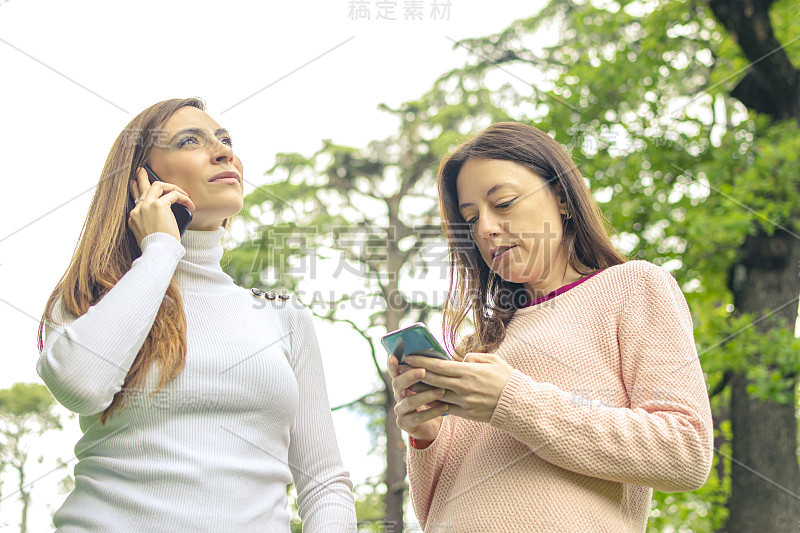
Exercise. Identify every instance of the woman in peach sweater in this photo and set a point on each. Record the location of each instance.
(580, 389)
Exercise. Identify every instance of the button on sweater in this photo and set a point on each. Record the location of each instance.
(215, 448)
(607, 401)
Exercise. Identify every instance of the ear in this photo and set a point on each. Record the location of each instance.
(560, 198)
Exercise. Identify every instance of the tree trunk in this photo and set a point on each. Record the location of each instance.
(765, 478)
(395, 469)
(395, 445)
(25, 497)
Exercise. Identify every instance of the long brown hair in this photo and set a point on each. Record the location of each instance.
(473, 286)
(107, 248)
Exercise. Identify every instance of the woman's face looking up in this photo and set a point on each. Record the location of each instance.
(196, 154)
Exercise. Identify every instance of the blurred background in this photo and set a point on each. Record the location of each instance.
(682, 115)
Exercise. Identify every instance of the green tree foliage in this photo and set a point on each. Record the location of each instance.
(25, 412)
(371, 509)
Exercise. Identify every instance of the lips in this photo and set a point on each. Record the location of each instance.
(226, 177)
(501, 251)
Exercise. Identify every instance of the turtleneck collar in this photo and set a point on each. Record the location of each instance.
(199, 270)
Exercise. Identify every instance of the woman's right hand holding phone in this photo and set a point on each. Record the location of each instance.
(153, 210)
(418, 413)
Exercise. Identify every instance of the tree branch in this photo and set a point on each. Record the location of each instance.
(332, 318)
(726, 378)
(361, 399)
(773, 73)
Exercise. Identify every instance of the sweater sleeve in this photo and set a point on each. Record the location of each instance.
(425, 467)
(324, 491)
(664, 439)
(84, 360)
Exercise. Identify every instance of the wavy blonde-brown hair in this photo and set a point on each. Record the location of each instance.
(473, 286)
(107, 248)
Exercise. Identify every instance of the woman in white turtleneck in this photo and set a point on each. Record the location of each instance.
(198, 403)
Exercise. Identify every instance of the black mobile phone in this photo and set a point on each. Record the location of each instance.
(416, 340)
(183, 216)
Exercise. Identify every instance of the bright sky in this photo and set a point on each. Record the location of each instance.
(280, 76)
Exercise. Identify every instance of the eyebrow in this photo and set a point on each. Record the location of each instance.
(488, 194)
(198, 131)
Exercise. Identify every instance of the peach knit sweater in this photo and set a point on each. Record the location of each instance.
(607, 401)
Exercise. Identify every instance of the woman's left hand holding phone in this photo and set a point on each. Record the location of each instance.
(153, 210)
(418, 413)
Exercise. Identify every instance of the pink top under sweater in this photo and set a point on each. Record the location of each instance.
(560, 290)
(607, 400)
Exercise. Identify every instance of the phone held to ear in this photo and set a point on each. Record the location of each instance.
(413, 340)
(183, 216)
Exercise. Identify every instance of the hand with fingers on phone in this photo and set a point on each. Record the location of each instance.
(152, 211)
(418, 409)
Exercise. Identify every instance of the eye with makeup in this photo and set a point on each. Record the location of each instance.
(506, 204)
(191, 139)
(501, 206)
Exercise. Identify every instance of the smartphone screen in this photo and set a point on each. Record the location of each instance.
(417, 340)
(183, 216)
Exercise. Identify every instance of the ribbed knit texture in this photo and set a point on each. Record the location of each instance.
(215, 448)
(607, 401)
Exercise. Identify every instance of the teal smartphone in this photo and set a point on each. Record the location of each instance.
(416, 340)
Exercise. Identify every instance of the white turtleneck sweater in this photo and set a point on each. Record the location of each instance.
(216, 447)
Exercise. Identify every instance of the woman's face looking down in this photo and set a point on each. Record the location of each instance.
(196, 154)
(515, 221)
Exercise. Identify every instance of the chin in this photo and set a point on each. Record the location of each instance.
(521, 276)
(505, 275)
(232, 208)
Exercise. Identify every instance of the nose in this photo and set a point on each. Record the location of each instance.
(221, 152)
(487, 226)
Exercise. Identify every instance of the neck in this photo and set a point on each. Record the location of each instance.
(560, 275)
